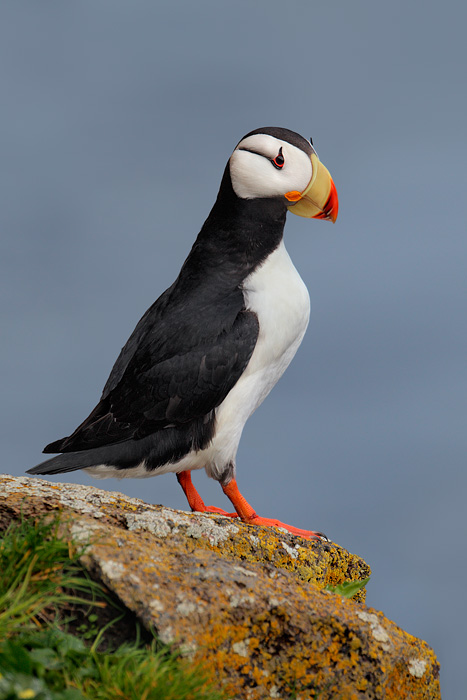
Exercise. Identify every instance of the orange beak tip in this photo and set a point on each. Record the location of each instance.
(331, 208)
(333, 201)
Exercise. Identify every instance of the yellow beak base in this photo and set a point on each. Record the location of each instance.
(319, 199)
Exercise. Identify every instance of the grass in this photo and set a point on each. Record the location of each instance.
(61, 632)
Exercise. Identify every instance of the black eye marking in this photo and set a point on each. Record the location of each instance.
(278, 161)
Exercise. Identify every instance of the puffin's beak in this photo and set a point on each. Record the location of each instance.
(319, 199)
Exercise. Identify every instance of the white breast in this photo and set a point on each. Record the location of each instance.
(278, 296)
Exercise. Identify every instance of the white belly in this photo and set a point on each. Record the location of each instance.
(278, 296)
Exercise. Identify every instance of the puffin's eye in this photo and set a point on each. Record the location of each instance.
(278, 161)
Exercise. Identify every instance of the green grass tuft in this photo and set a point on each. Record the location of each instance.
(43, 593)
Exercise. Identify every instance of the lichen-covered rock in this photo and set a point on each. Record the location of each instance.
(248, 601)
(319, 562)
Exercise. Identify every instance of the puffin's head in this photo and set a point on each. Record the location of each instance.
(275, 162)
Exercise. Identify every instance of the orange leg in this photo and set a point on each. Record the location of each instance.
(241, 505)
(195, 501)
(248, 515)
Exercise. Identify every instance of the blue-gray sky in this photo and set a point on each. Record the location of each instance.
(117, 120)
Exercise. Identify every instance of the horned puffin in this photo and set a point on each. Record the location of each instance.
(210, 349)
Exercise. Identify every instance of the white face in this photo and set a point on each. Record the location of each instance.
(263, 166)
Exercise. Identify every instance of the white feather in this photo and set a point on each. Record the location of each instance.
(253, 175)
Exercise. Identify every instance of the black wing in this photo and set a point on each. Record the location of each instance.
(172, 371)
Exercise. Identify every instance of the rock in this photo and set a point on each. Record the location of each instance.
(248, 601)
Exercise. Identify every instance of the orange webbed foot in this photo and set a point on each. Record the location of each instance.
(272, 522)
(248, 515)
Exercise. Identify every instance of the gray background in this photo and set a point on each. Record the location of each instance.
(117, 119)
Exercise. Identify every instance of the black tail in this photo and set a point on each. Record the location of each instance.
(62, 463)
(122, 455)
(164, 446)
